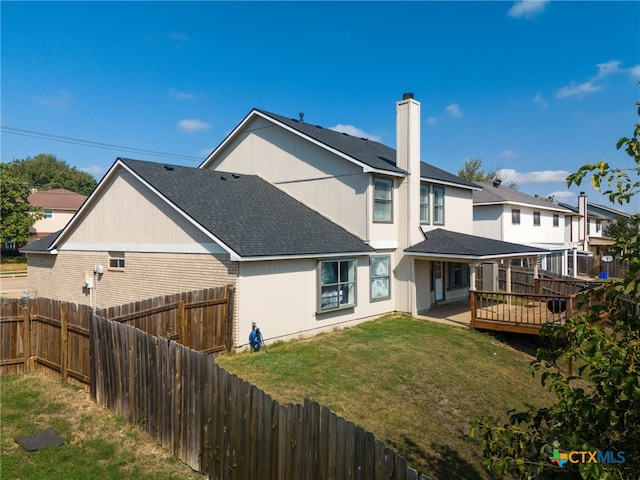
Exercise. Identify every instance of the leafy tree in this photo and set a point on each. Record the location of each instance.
(598, 409)
(473, 171)
(45, 171)
(16, 214)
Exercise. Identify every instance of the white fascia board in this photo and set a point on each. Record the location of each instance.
(228, 139)
(449, 184)
(533, 206)
(384, 244)
(304, 256)
(474, 257)
(377, 171)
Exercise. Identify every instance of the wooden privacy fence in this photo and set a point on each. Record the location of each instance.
(51, 334)
(221, 425)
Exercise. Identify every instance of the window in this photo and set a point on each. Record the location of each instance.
(598, 225)
(48, 213)
(458, 275)
(116, 260)
(438, 205)
(515, 216)
(382, 200)
(379, 268)
(424, 203)
(536, 219)
(556, 220)
(337, 279)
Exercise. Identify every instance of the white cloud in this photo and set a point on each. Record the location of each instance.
(527, 8)
(605, 69)
(539, 100)
(454, 110)
(432, 120)
(564, 196)
(509, 154)
(181, 95)
(59, 101)
(509, 175)
(573, 90)
(354, 131)
(193, 125)
(635, 71)
(94, 170)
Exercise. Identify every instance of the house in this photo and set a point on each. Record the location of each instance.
(58, 206)
(587, 224)
(314, 228)
(507, 214)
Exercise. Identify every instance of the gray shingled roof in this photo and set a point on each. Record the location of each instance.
(445, 242)
(373, 154)
(248, 214)
(501, 194)
(42, 244)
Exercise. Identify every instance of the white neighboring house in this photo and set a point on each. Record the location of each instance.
(58, 205)
(509, 215)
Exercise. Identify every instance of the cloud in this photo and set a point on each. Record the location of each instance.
(607, 69)
(508, 154)
(432, 120)
(546, 176)
(94, 170)
(355, 131)
(527, 8)
(179, 37)
(454, 110)
(59, 101)
(193, 125)
(563, 196)
(181, 95)
(539, 100)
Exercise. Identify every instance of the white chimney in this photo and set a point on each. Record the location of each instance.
(408, 158)
(583, 221)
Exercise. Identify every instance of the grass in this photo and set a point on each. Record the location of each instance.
(415, 384)
(98, 443)
(13, 264)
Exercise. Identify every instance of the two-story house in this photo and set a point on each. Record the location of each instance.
(510, 215)
(314, 228)
(58, 206)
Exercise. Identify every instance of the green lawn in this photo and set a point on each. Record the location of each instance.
(98, 443)
(415, 384)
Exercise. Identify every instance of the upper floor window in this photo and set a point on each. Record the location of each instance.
(536, 219)
(337, 284)
(424, 204)
(556, 220)
(438, 205)
(515, 216)
(380, 271)
(598, 225)
(48, 213)
(382, 200)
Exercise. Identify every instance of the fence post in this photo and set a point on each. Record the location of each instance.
(182, 324)
(64, 341)
(26, 338)
(472, 325)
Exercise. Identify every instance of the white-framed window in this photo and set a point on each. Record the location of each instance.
(382, 200)
(438, 205)
(48, 213)
(598, 225)
(380, 272)
(116, 260)
(425, 205)
(515, 216)
(556, 220)
(536, 219)
(336, 284)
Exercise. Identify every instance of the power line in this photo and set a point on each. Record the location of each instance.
(91, 143)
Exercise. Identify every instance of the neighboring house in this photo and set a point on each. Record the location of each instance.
(507, 214)
(587, 224)
(58, 206)
(314, 228)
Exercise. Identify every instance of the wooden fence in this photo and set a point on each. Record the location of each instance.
(219, 424)
(46, 333)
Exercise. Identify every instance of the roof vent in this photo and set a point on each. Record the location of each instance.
(235, 175)
(223, 178)
(168, 167)
(301, 117)
(497, 182)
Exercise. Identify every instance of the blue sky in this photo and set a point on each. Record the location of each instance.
(535, 88)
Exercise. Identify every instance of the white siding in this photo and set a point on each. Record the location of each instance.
(58, 221)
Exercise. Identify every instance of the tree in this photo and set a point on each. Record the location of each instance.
(45, 171)
(16, 214)
(598, 409)
(473, 171)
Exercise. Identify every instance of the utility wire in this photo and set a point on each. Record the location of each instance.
(90, 143)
